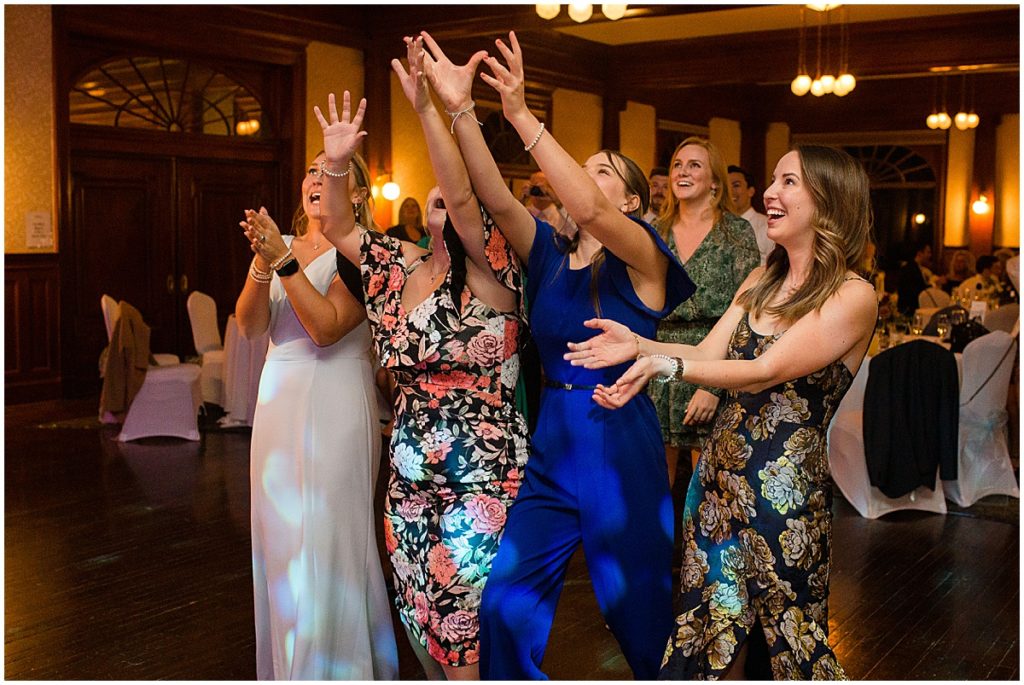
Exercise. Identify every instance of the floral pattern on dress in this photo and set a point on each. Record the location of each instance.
(757, 529)
(459, 445)
(718, 266)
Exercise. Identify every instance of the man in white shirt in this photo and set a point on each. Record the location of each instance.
(658, 180)
(742, 189)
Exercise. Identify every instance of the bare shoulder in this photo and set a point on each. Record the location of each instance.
(855, 301)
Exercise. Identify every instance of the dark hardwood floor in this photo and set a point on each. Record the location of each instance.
(131, 562)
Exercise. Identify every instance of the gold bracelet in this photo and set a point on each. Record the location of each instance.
(335, 174)
(637, 338)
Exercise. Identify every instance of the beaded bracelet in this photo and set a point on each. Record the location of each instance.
(678, 367)
(468, 110)
(335, 174)
(276, 264)
(537, 139)
(259, 276)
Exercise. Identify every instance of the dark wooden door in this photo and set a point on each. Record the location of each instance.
(212, 196)
(150, 230)
(123, 239)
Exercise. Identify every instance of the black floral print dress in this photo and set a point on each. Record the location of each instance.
(758, 529)
(459, 444)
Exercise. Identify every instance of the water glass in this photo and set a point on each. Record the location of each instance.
(918, 324)
(943, 327)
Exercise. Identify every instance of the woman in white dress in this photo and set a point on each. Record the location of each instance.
(322, 611)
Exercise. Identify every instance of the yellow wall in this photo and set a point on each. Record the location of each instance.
(29, 161)
(1006, 231)
(329, 68)
(638, 126)
(776, 144)
(409, 158)
(959, 171)
(576, 122)
(725, 134)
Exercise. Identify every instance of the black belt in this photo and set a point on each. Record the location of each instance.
(568, 386)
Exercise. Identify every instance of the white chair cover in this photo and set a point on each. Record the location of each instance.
(933, 297)
(202, 315)
(168, 401)
(1002, 319)
(983, 465)
(849, 464)
(243, 364)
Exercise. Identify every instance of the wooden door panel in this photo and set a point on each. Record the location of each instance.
(212, 197)
(122, 235)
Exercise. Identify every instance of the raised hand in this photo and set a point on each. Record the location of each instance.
(414, 82)
(341, 135)
(615, 344)
(453, 84)
(627, 386)
(508, 81)
(264, 236)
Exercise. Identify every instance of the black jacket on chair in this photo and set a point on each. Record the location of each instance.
(911, 416)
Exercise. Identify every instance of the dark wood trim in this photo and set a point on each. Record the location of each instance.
(32, 347)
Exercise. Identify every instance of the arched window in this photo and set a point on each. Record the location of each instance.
(893, 166)
(167, 94)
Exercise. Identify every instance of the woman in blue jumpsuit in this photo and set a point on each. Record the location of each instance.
(594, 476)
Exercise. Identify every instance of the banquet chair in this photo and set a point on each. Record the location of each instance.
(202, 315)
(983, 462)
(933, 297)
(110, 316)
(166, 404)
(1003, 319)
(849, 463)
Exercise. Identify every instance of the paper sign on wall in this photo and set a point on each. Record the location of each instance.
(38, 230)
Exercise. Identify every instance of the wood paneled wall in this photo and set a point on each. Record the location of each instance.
(32, 328)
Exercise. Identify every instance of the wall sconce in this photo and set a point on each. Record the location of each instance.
(386, 187)
(981, 206)
(920, 218)
(247, 127)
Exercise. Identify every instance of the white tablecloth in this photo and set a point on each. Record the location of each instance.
(243, 364)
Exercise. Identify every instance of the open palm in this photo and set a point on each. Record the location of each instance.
(342, 135)
(452, 83)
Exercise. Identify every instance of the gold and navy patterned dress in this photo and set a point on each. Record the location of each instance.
(758, 529)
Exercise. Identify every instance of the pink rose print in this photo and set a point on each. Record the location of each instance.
(422, 610)
(488, 431)
(374, 286)
(411, 509)
(395, 278)
(485, 349)
(379, 253)
(459, 626)
(486, 513)
(440, 564)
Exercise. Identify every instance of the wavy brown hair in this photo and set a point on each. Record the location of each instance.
(721, 200)
(841, 222)
(363, 211)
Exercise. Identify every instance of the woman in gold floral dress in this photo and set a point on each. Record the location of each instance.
(758, 521)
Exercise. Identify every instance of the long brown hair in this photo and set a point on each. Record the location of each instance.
(841, 222)
(363, 210)
(721, 200)
(632, 176)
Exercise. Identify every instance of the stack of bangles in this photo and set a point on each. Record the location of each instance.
(286, 265)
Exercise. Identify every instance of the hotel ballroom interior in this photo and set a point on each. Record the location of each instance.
(135, 136)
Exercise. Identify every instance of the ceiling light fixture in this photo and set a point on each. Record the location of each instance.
(828, 82)
(581, 11)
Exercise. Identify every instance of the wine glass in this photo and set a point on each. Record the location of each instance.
(942, 326)
(917, 326)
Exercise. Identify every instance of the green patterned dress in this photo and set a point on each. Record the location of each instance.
(719, 266)
(757, 529)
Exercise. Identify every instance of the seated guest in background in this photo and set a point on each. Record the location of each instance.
(914, 276)
(742, 189)
(983, 283)
(658, 182)
(961, 267)
(410, 224)
(1005, 261)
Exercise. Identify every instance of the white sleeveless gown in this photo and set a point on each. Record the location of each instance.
(322, 611)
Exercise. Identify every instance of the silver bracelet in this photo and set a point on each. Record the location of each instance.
(468, 110)
(335, 174)
(276, 264)
(537, 139)
(678, 366)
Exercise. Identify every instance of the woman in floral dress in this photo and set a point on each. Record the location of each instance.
(447, 325)
(758, 521)
(719, 250)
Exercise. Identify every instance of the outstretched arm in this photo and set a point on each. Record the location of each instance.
(580, 195)
(341, 138)
(454, 85)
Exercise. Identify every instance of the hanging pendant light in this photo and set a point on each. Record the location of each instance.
(547, 10)
(614, 11)
(580, 11)
(802, 83)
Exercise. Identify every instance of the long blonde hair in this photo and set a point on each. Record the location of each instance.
(841, 222)
(721, 200)
(363, 210)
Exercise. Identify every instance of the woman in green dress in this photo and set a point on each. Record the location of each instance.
(718, 250)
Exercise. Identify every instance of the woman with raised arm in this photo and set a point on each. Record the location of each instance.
(448, 327)
(719, 251)
(320, 600)
(594, 476)
(758, 518)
